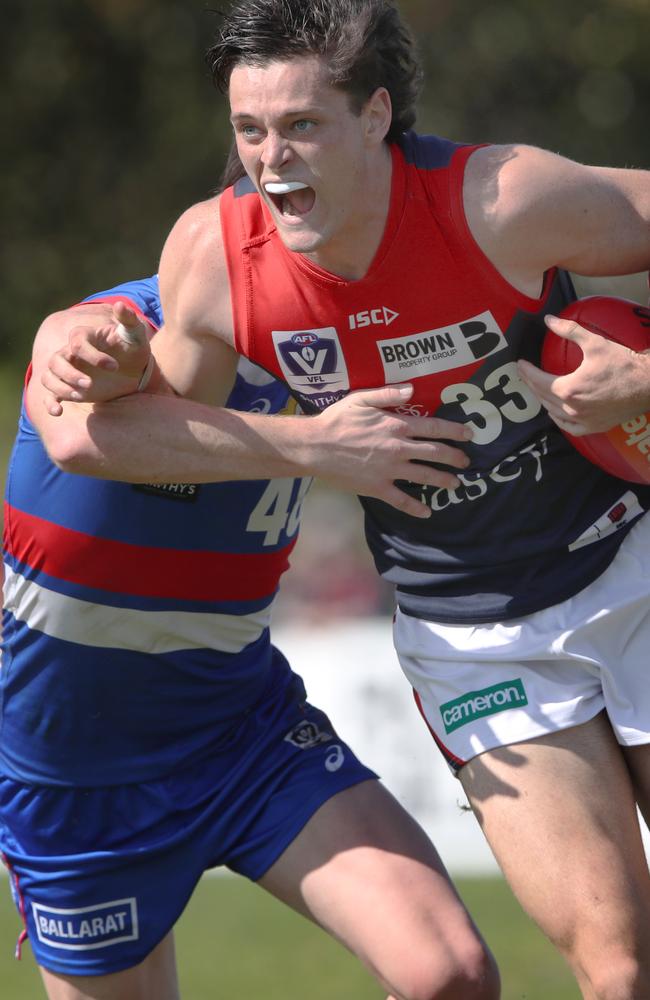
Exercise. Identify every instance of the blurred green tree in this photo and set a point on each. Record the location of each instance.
(115, 130)
(112, 126)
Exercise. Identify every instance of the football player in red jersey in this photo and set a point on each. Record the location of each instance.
(522, 618)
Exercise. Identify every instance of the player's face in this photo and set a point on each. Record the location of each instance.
(298, 134)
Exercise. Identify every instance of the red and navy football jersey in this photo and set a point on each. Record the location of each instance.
(532, 522)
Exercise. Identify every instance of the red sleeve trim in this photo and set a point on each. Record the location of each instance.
(112, 299)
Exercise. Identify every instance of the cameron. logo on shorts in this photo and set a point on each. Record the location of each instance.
(432, 351)
(88, 926)
(487, 701)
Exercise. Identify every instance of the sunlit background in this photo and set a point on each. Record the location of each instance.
(111, 128)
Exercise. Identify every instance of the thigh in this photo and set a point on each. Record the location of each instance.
(638, 762)
(559, 813)
(154, 977)
(365, 871)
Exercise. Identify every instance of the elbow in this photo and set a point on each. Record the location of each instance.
(73, 452)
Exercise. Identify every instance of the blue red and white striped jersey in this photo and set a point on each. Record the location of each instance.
(136, 617)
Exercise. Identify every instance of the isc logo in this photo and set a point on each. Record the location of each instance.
(380, 317)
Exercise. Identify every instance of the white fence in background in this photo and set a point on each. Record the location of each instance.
(351, 671)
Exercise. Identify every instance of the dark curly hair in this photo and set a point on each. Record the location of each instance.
(365, 43)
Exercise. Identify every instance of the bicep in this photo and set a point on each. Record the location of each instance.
(531, 210)
(193, 349)
(610, 210)
(195, 365)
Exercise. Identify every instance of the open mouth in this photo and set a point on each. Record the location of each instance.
(291, 198)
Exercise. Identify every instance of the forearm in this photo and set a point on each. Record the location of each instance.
(152, 438)
(359, 444)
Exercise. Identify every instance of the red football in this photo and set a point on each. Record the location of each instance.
(624, 450)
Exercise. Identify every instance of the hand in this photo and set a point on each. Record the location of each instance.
(98, 363)
(364, 447)
(611, 384)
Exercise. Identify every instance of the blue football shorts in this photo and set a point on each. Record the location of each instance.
(101, 875)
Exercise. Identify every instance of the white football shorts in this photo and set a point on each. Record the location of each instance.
(485, 686)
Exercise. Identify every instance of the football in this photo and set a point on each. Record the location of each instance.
(623, 451)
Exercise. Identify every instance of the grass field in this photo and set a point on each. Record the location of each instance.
(234, 941)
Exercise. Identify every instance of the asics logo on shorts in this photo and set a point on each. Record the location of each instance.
(335, 758)
(87, 927)
(487, 701)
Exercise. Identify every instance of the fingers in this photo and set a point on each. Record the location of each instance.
(438, 452)
(69, 370)
(414, 425)
(83, 354)
(387, 395)
(57, 391)
(421, 475)
(131, 330)
(566, 328)
(66, 377)
(64, 380)
(408, 505)
(52, 405)
(539, 381)
(436, 428)
(569, 426)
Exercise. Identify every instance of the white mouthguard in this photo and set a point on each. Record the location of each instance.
(284, 187)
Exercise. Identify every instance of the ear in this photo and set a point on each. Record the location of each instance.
(378, 113)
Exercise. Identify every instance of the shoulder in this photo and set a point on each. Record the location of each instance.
(522, 206)
(194, 282)
(504, 181)
(196, 234)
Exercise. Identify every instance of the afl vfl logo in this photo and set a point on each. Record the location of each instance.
(311, 361)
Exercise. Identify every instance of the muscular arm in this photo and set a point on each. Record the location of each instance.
(530, 210)
(194, 349)
(152, 438)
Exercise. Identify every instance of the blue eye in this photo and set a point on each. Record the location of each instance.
(303, 125)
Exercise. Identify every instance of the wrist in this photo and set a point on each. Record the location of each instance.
(309, 444)
(153, 381)
(147, 374)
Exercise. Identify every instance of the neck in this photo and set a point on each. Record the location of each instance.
(350, 252)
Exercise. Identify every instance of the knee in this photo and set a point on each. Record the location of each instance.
(618, 977)
(467, 974)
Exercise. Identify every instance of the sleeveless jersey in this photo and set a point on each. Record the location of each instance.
(136, 618)
(532, 521)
